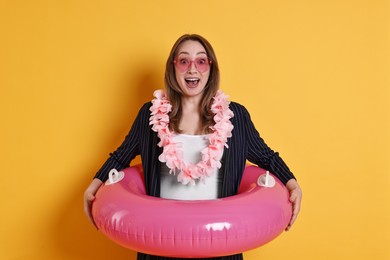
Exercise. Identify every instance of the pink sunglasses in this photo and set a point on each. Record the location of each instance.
(202, 64)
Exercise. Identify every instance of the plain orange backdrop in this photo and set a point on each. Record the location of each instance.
(313, 74)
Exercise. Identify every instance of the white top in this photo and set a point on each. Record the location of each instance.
(170, 188)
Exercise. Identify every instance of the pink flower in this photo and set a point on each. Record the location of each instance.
(159, 94)
(187, 175)
(172, 154)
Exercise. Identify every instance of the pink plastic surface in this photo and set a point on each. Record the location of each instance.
(191, 229)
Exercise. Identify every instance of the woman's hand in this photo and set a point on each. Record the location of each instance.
(295, 198)
(89, 197)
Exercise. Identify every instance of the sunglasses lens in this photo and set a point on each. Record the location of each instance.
(182, 64)
(202, 64)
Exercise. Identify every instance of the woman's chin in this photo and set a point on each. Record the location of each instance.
(192, 89)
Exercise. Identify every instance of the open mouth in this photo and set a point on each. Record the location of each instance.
(192, 82)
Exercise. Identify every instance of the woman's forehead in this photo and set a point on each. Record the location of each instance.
(191, 47)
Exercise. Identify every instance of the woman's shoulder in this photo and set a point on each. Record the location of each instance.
(145, 108)
(144, 112)
(236, 105)
(237, 108)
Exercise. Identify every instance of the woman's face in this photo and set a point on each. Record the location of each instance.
(192, 68)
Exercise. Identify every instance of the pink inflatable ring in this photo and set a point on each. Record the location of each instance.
(192, 229)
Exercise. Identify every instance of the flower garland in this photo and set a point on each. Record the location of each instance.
(172, 154)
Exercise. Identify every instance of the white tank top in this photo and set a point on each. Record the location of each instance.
(170, 188)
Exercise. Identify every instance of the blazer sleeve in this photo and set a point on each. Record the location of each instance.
(125, 153)
(260, 154)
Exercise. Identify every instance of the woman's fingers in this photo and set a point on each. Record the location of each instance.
(295, 199)
(89, 197)
(88, 200)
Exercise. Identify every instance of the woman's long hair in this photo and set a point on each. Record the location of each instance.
(174, 92)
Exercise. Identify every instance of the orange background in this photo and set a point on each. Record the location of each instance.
(313, 74)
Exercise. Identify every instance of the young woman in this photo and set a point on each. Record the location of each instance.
(193, 142)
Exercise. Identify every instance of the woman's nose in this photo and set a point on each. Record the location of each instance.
(192, 67)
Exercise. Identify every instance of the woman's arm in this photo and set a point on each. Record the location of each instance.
(129, 148)
(260, 154)
(119, 159)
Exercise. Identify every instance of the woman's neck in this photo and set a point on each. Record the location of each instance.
(190, 102)
(191, 122)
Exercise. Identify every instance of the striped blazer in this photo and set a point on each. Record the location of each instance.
(245, 144)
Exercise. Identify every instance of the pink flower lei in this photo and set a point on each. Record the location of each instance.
(172, 154)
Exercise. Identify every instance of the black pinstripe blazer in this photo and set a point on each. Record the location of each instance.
(245, 144)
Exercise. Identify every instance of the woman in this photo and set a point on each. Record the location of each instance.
(193, 142)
